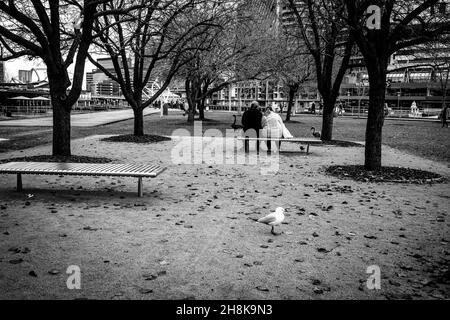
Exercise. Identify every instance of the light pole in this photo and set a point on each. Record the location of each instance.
(398, 103)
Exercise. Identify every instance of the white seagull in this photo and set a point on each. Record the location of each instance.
(273, 219)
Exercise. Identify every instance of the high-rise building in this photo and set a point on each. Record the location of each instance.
(98, 83)
(262, 15)
(89, 81)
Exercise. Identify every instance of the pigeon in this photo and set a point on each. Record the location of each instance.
(273, 219)
(315, 133)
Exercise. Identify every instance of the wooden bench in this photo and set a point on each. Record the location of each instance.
(82, 169)
(304, 141)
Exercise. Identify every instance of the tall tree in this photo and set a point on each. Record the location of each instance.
(46, 29)
(294, 67)
(381, 28)
(156, 44)
(321, 26)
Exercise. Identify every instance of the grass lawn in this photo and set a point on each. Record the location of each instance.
(422, 138)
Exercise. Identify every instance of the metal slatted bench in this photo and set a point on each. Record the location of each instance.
(82, 169)
(304, 141)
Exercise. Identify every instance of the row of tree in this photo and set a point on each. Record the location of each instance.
(145, 39)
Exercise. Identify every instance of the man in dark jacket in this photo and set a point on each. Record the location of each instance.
(251, 119)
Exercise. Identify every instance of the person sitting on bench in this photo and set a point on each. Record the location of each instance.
(273, 127)
(251, 119)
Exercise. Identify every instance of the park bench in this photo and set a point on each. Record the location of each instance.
(302, 141)
(82, 169)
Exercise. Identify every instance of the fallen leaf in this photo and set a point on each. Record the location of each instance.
(16, 261)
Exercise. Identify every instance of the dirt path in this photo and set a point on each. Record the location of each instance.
(194, 235)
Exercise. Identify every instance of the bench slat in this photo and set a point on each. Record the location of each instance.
(122, 167)
(151, 168)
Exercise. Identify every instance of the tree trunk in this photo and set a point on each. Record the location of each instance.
(61, 114)
(292, 92)
(61, 128)
(327, 120)
(377, 82)
(138, 121)
(191, 116)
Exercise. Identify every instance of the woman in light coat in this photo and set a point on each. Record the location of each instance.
(273, 126)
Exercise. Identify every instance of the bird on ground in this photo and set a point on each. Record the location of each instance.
(273, 219)
(315, 133)
(234, 125)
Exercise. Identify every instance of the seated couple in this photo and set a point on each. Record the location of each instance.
(269, 124)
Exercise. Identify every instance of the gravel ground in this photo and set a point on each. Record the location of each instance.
(194, 236)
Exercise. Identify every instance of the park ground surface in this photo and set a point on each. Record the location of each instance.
(194, 236)
(422, 138)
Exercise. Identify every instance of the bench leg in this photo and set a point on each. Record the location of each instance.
(307, 148)
(140, 189)
(19, 182)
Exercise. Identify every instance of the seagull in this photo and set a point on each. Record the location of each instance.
(273, 219)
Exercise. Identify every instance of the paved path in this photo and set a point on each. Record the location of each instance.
(80, 120)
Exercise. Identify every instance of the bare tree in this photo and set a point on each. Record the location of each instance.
(323, 30)
(381, 28)
(156, 44)
(46, 29)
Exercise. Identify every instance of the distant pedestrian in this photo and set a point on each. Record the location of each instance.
(444, 117)
(313, 108)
